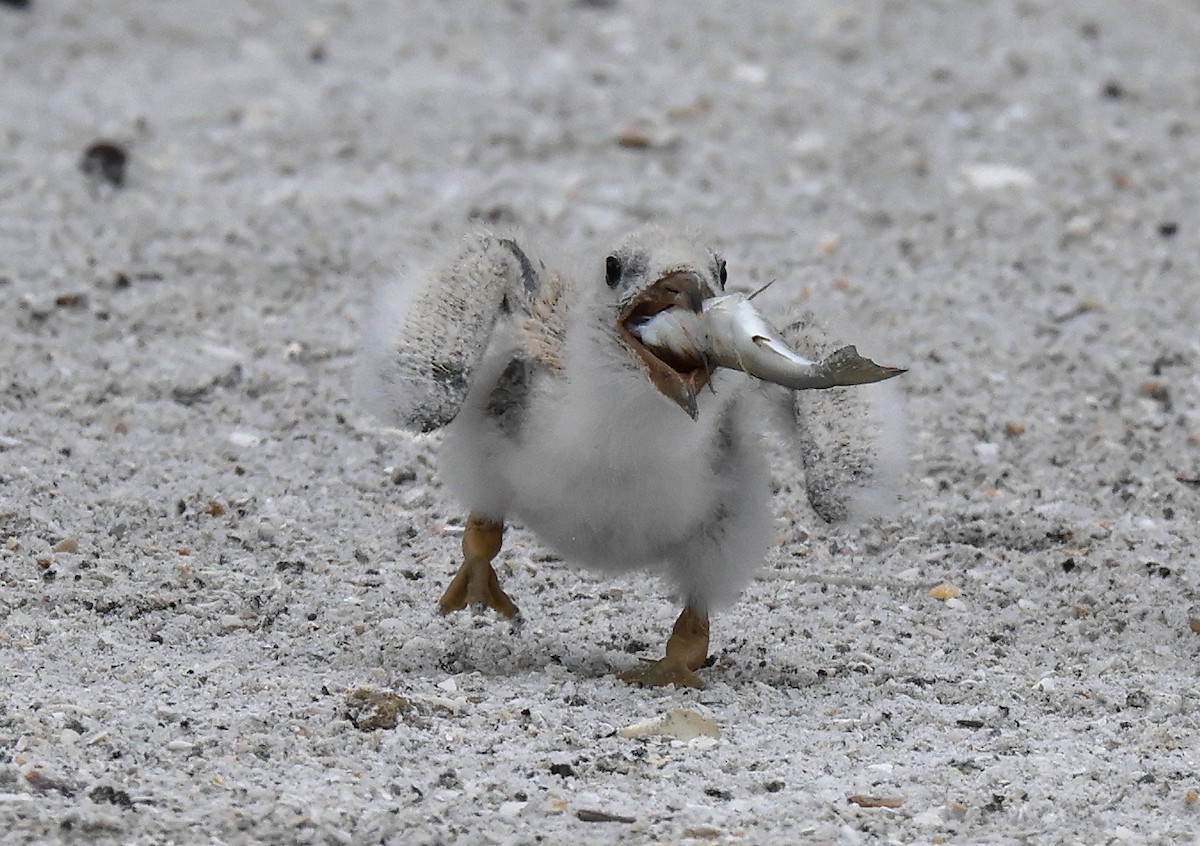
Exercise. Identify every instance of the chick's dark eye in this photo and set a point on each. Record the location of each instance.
(722, 273)
(612, 271)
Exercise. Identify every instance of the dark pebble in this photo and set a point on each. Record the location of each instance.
(104, 793)
(586, 815)
(105, 162)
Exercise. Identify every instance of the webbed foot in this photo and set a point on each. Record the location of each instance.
(687, 650)
(661, 673)
(476, 583)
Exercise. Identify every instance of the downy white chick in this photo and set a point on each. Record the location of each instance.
(622, 450)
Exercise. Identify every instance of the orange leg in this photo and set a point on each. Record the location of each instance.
(476, 583)
(687, 650)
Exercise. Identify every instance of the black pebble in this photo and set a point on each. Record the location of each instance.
(1137, 699)
(104, 161)
(15, 4)
(104, 793)
(1168, 230)
(1113, 90)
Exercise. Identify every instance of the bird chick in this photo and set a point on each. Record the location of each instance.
(618, 417)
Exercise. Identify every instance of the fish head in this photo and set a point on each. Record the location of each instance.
(654, 274)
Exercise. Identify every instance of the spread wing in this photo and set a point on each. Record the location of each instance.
(425, 352)
(851, 440)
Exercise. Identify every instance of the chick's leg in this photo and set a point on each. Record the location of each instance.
(476, 583)
(687, 650)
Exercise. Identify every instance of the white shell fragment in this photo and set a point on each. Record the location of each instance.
(731, 333)
(679, 724)
(996, 177)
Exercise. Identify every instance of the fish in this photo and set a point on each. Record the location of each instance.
(730, 332)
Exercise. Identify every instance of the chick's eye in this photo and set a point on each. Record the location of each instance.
(722, 273)
(612, 271)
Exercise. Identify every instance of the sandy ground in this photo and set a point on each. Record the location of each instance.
(206, 545)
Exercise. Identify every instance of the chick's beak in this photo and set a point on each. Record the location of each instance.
(682, 289)
(677, 378)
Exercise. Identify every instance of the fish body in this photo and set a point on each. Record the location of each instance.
(730, 332)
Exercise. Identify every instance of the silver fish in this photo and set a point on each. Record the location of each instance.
(730, 332)
(741, 339)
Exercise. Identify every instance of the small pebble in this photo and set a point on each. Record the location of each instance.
(266, 531)
(104, 161)
(875, 801)
(371, 708)
(929, 819)
(755, 75)
(996, 177)
(829, 244)
(1080, 226)
(244, 439)
(1137, 699)
(635, 138)
(943, 591)
(987, 452)
(808, 144)
(586, 815)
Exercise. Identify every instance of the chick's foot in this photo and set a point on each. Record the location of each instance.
(476, 583)
(661, 673)
(687, 650)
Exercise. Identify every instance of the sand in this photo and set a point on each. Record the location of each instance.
(218, 573)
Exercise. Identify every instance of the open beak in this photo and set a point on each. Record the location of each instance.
(679, 375)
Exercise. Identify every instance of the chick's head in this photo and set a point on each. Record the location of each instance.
(654, 275)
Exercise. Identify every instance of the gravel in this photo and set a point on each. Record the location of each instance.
(218, 574)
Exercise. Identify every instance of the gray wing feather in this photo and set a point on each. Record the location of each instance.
(850, 442)
(417, 375)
